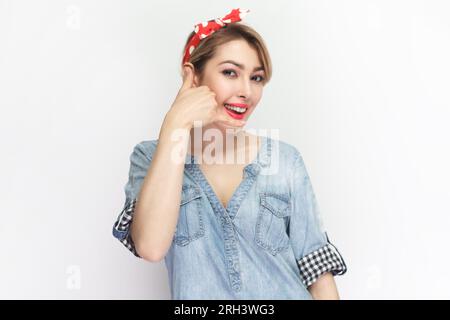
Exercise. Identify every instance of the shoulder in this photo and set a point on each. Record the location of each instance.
(145, 148)
(287, 152)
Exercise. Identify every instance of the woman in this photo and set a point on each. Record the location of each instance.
(240, 230)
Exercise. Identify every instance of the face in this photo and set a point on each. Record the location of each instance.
(239, 80)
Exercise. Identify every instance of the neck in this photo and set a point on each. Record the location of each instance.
(220, 140)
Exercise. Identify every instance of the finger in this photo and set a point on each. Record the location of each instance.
(188, 79)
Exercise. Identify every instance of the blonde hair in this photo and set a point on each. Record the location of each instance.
(233, 31)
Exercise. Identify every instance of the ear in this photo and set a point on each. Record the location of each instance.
(196, 80)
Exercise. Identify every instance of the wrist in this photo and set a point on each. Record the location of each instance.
(172, 129)
(175, 122)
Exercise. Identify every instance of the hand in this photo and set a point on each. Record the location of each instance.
(194, 103)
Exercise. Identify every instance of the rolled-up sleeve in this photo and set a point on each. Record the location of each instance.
(140, 160)
(314, 252)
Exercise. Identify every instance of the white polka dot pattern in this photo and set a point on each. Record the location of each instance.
(206, 28)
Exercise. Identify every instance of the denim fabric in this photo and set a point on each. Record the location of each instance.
(268, 243)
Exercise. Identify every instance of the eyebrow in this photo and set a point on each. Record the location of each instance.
(241, 66)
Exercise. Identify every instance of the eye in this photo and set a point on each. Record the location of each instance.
(262, 78)
(225, 72)
(228, 71)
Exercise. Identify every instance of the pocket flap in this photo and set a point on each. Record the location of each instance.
(278, 204)
(189, 193)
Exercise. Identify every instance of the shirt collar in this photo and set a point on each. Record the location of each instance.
(261, 161)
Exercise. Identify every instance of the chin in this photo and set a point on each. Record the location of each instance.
(231, 129)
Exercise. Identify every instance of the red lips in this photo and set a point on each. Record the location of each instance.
(236, 115)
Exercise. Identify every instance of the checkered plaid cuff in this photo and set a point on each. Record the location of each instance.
(316, 263)
(121, 229)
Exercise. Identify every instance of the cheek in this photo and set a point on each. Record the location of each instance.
(223, 87)
(221, 94)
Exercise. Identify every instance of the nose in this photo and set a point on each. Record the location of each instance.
(244, 89)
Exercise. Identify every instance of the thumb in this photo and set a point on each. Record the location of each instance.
(188, 79)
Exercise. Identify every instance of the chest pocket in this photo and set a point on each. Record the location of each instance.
(190, 223)
(272, 222)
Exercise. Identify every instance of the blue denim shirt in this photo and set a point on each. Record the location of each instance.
(268, 243)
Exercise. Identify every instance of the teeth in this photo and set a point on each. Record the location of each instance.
(237, 109)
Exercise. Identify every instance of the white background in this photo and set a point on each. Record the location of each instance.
(360, 87)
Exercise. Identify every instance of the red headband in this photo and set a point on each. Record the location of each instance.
(204, 29)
